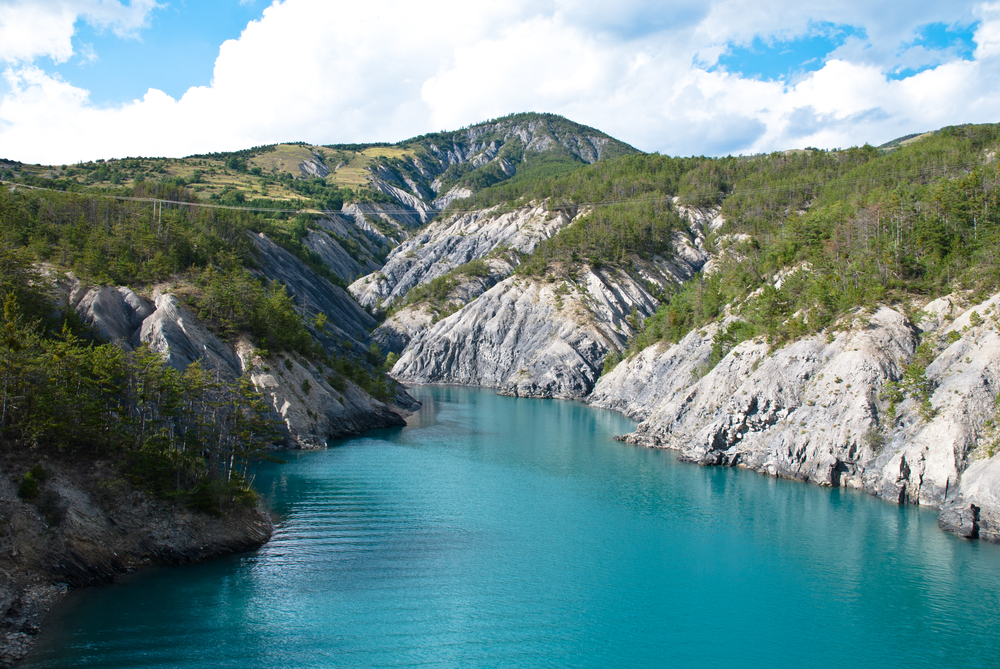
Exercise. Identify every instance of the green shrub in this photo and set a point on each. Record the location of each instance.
(30, 481)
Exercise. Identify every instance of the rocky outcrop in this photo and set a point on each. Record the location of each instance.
(399, 329)
(86, 526)
(840, 408)
(420, 209)
(333, 255)
(455, 193)
(360, 245)
(314, 168)
(447, 244)
(314, 294)
(436, 169)
(174, 332)
(115, 313)
(499, 237)
(974, 513)
(655, 375)
(404, 324)
(309, 405)
(537, 337)
(300, 391)
(530, 337)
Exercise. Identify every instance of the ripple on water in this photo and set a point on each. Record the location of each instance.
(503, 532)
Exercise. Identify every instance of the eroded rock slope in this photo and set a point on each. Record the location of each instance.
(531, 337)
(450, 243)
(312, 402)
(527, 336)
(840, 408)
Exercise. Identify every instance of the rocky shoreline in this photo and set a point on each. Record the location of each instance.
(902, 408)
(85, 527)
(899, 400)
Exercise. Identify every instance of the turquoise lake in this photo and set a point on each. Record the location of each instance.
(504, 532)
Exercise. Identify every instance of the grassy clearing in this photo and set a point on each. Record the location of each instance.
(349, 169)
(284, 158)
(207, 178)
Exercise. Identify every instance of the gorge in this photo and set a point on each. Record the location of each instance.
(825, 316)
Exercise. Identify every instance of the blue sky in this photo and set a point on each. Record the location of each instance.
(775, 58)
(84, 79)
(782, 59)
(177, 50)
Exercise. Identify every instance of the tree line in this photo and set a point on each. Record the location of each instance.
(861, 227)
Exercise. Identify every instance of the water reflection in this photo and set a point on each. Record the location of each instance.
(504, 532)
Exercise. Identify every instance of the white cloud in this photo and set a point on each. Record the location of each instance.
(386, 70)
(31, 29)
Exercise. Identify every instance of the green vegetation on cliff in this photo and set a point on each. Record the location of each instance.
(844, 229)
(847, 229)
(184, 435)
(809, 235)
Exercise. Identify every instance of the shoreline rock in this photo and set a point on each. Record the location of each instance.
(840, 408)
(86, 527)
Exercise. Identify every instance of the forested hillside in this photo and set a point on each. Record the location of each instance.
(185, 432)
(862, 226)
(806, 236)
(824, 315)
(188, 436)
(225, 236)
(867, 225)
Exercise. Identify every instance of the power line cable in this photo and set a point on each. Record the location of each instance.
(400, 211)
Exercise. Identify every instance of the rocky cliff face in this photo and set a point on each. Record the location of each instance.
(311, 408)
(827, 408)
(300, 391)
(313, 294)
(447, 244)
(355, 236)
(486, 153)
(533, 337)
(405, 323)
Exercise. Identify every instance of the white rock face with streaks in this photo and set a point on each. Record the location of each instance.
(303, 399)
(396, 332)
(311, 412)
(817, 409)
(115, 313)
(975, 511)
(454, 193)
(447, 244)
(530, 338)
(333, 255)
(524, 336)
(173, 331)
(635, 387)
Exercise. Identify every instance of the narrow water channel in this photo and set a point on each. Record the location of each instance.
(504, 532)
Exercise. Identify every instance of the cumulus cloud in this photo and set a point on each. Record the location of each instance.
(387, 69)
(31, 29)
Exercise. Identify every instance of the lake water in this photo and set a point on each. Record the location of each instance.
(504, 532)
